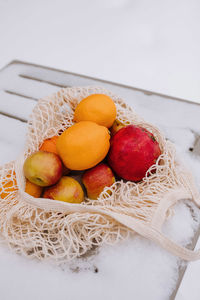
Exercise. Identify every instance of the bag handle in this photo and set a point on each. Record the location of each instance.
(158, 237)
(146, 230)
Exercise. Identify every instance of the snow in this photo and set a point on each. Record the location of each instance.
(134, 269)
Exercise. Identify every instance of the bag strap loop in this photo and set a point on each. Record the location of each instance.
(158, 237)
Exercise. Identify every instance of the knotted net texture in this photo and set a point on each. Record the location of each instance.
(50, 229)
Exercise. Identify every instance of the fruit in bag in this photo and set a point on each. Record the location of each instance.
(133, 151)
(43, 168)
(33, 189)
(83, 145)
(96, 179)
(98, 108)
(49, 145)
(67, 189)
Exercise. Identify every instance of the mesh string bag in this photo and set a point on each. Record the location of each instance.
(60, 231)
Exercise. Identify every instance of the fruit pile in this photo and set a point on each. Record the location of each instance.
(97, 146)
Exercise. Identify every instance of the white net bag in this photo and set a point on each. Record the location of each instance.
(51, 229)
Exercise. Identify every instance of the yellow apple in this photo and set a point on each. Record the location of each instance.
(43, 168)
(67, 189)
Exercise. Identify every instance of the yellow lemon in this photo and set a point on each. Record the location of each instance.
(98, 108)
(83, 145)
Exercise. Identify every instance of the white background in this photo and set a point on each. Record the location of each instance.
(154, 45)
(151, 44)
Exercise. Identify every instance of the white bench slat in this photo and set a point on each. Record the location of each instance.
(21, 84)
(16, 106)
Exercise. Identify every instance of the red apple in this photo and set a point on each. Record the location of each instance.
(132, 152)
(43, 168)
(67, 189)
(96, 179)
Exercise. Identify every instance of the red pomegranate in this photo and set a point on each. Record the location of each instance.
(132, 152)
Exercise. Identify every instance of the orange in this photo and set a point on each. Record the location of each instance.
(9, 186)
(98, 108)
(33, 189)
(49, 145)
(83, 145)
